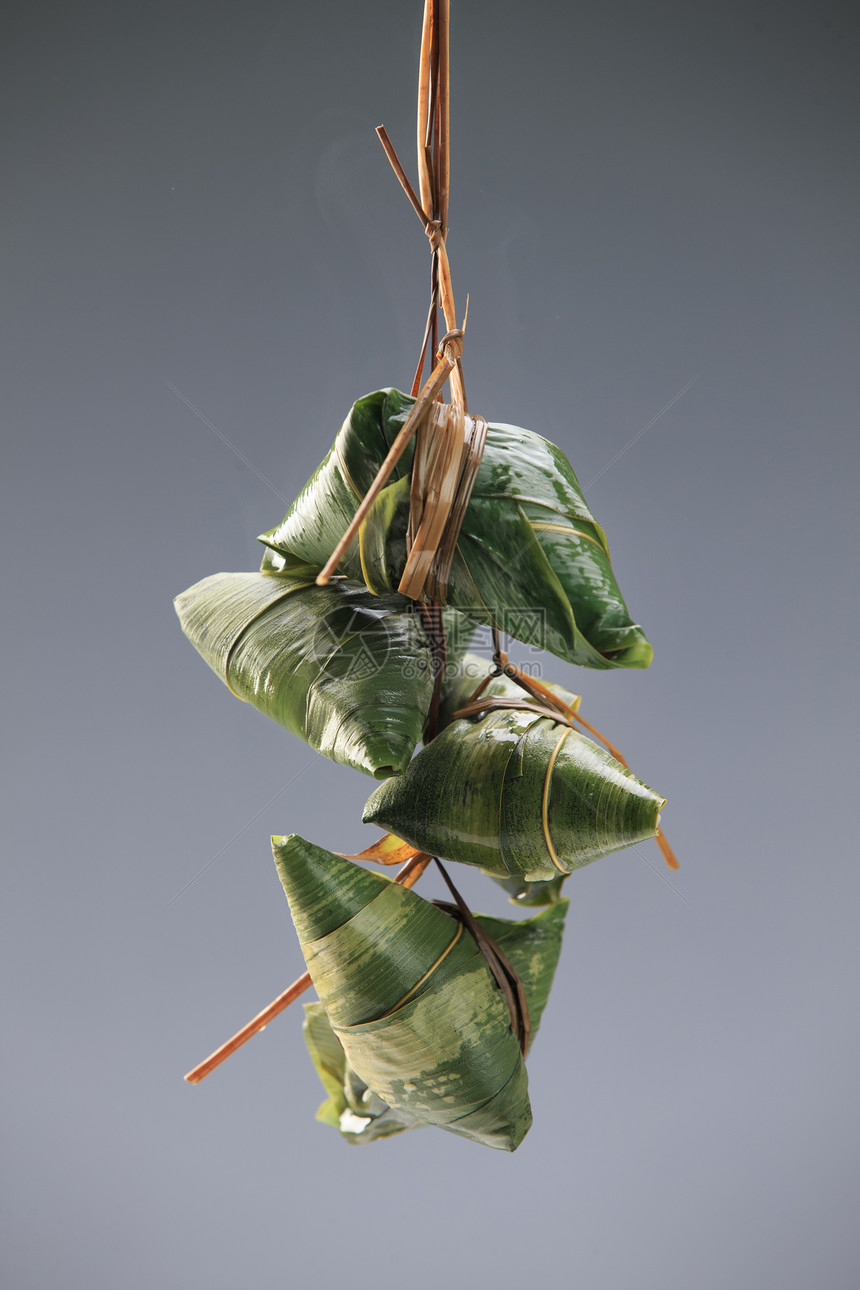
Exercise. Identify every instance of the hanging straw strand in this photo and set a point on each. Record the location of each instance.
(434, 152)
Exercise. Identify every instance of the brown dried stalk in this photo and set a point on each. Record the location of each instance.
(445, 463)
(448, 453)
(434, 150)
(449, 355)
(503, 971)
(437, 469)
(437, 583)
(408, 876)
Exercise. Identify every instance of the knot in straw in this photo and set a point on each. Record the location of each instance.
(451, 345)
(502, 664)
(433, 229)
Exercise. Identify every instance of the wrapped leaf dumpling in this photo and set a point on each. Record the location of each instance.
(349, 672)
(518, 794)
(531, 945)
(410, 997)
(530, 559)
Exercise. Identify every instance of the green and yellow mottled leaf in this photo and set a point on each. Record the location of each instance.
(532, 947)
(409, 996)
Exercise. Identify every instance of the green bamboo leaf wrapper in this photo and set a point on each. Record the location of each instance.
(517, 794)
(463, 680)
(349, 672)
(420, 1019)
(532, 946)
(350, 1105)
(531, 558)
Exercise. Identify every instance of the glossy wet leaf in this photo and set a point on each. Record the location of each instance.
(348, 672)
(462, 684)
(518, 795)
(531, 558)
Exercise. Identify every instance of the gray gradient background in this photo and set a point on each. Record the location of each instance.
(643, 194)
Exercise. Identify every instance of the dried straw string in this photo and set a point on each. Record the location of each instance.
(448, 355)
(434, 150)
(448, 453)
(435, 629)
(502, 970)
(445, 464)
